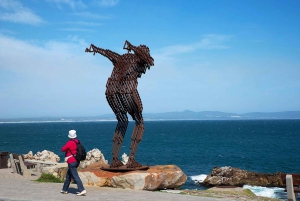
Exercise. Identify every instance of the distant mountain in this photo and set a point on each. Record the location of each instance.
(273, 115)
(185, 115)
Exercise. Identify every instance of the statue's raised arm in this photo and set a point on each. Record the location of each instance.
(112, 56)
(141, 51)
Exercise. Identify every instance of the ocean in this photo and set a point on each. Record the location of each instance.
(196, 146)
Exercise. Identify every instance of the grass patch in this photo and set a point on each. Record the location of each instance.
(49, 178)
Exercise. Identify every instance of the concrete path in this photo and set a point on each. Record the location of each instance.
(16, 187)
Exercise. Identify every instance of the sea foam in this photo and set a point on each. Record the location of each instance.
(198, 178)
(271, 192)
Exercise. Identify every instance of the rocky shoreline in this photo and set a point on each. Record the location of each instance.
(158, 177)
(155, 178)
(229, 176)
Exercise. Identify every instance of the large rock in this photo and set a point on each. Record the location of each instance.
(93, 156)
(125, 159)
(46, 156)
(54, 169)
(228, 176)
(155, 178)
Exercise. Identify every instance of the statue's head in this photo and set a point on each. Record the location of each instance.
(144, 53)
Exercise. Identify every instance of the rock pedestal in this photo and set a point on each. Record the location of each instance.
(228, 176)
(155, 178)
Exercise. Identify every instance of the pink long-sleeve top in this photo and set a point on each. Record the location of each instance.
(70, 147)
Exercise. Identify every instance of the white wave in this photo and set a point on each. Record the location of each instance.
(264, 191)
(198, 178)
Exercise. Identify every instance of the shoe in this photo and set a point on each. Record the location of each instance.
(82, 193)
(63, 192)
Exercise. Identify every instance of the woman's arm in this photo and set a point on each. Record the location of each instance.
(66, 147)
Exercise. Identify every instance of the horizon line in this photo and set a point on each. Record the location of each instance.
(100, 115)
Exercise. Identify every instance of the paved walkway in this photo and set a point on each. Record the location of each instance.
(17, 187)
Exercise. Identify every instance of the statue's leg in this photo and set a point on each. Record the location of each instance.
(116, 105)
(137, 134)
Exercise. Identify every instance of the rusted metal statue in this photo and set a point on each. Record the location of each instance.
(123, 97)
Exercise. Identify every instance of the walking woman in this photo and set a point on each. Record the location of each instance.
(70, 149)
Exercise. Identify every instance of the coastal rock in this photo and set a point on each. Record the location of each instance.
(48, 162)
(54, 169)
(229, 176)
(155, 178)
(125, 159)
(29, 155)
(93, 156)
(62, 172)
(45, 155)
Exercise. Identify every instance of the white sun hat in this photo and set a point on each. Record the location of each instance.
(72, 134)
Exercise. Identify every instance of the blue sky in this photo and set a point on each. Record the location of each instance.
(211, 55)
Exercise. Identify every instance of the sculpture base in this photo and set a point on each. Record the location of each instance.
(155, 178)
(124, 168)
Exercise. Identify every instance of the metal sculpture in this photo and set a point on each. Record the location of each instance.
(123, 97)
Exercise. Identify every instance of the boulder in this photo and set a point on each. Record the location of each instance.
(54, 169)
(46, 156)
(93, 156)
(155, 178)
(125, 159)
(229, 176)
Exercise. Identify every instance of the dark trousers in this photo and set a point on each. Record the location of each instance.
(72, 173)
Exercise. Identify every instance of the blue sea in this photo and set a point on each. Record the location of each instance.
(196, 146)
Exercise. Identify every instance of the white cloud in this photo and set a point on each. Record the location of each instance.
(15, 12)
(92, 15)
(80, 26)
(71, 3)
(54, 79)
(76, 39)
(77, 30)
(6, 31)
(83, 23)
(107, 3)
(211, 41)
